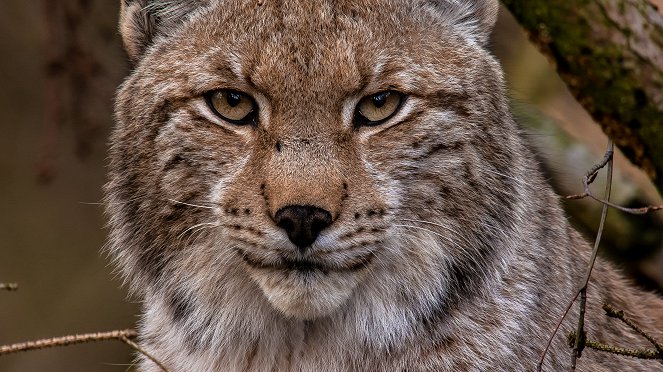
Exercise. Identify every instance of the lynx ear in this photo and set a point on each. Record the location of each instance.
(473, 18)
(143, 20)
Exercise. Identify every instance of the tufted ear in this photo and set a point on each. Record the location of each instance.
(473, 18)
(143, 20)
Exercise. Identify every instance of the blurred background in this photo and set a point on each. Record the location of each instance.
(61, 62)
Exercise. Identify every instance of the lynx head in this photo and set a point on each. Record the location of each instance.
(304, 155)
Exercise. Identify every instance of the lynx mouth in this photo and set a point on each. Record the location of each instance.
(304, 265)
(305, 287)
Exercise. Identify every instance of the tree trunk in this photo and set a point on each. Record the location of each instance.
(610, 54)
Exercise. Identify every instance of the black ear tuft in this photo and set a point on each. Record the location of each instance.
(473, 18)
(143, 20)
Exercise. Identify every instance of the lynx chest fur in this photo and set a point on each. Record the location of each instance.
(338, 186)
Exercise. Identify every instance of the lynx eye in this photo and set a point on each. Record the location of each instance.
(232, 106)
(377, 108)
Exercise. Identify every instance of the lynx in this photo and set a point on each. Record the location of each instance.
(340, 186)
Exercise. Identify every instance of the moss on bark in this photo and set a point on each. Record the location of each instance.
(609, 53)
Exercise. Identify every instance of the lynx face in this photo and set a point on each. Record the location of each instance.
(338, 186)
(307, 148)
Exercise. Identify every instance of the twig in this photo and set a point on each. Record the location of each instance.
(588, 179)
(611, 312)
(121, 335)
(9, 286)
(635, 353)
(136, 347)
(67, 340)
(641, 210)
(580, 340)
(539, 366)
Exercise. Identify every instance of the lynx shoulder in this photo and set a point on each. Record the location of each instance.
(340, 186)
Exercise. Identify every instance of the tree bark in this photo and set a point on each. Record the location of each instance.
(610, 54)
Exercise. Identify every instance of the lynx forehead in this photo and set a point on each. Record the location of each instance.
(333, 185)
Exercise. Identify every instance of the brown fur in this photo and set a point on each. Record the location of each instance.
(448, 250)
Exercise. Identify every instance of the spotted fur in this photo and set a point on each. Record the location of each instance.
(448, 251)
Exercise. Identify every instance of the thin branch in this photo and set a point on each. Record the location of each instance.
(136, 347)
(641, 210)
(539, 365)
(66, 340)
(9, 286)
(580, 331)
(588, 179)
(635, 353)
(611, 312)
(125, 336)
(594, 171)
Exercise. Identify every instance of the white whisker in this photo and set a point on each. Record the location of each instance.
(199, 230)
(190, 204)
(447, 227)
(424, 229)
(195, 226)
(427, 222)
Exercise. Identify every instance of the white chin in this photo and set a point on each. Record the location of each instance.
(305, 294)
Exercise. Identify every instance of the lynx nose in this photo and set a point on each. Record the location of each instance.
(303, 223)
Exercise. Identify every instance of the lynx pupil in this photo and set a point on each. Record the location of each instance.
(380, 99)
(233, 99)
